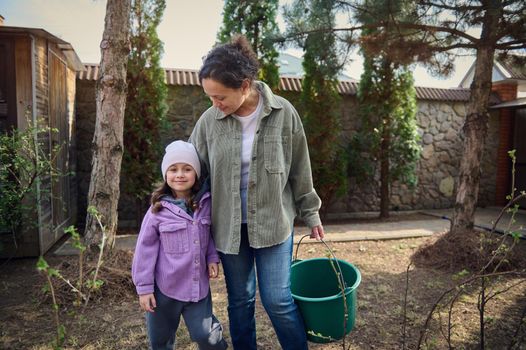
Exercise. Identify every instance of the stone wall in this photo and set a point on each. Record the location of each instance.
(440, 127)
(439, 124)
(185, 105)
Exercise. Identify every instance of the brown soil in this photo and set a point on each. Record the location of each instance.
(113, 320)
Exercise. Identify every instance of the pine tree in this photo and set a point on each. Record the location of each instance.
(320, 101)
(387, 138)
(257, 21)
(145, 105)
(445, 29)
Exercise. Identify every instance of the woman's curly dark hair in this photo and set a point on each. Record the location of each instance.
(231, 63)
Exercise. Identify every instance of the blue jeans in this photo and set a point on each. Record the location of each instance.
(203, 326)
(272, 266)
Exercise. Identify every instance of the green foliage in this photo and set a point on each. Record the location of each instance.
(145, 115)
(23, 162)
(387, 105)
(387, 110)
(76, 240)
(43, 267)
(94, 284)
(80, 286)
(257, 21)
(461, 274)
(320, 102)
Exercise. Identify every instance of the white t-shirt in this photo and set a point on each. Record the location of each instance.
(248, 127)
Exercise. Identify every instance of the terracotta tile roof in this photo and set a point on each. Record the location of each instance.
(290, 83)
(182, 77)
(454, 94)
(90, 72)
(172, 76)
(190, 77)
(346, 87)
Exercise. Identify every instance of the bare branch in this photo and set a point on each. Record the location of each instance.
(502, 291)
(466, 282)
(452, 8)
(511, 45)
(514, 339)
(407, 25)
(438, 29)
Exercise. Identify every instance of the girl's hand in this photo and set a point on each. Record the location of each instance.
(213, 270)
(147, 302)
(317, 232)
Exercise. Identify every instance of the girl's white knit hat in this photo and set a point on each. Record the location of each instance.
(180, 152)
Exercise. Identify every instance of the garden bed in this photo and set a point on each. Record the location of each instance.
(114, 321)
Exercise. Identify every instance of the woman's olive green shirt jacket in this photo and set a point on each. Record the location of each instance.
(280, 179)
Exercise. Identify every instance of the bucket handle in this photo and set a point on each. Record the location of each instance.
(339, 273)
(341, 282)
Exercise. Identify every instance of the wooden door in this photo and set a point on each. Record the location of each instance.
(58, 119)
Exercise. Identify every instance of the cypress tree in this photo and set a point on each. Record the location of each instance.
(320, 101)
(257, 21)
(145, 104)
(387, 138)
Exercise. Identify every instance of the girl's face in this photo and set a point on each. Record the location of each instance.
(181, 177)
(228, 100)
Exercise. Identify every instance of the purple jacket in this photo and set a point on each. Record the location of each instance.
(173, 251)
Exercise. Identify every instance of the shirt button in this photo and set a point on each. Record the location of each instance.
(253, 211)
(195, 222)
(196, 261)
(196, 241)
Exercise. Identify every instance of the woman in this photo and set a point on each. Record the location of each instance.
(253, 145)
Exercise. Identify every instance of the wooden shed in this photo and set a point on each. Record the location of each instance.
(37, 82)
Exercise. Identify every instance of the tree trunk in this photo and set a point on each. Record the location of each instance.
(475, 128)
(385, 142)
(108, 138)
(384, 168)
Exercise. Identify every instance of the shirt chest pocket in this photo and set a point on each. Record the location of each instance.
(274, 151)
(174, 238)
(204, 232)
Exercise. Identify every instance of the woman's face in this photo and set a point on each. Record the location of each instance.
(226, 99)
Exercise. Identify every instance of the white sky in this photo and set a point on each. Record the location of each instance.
(188, 30)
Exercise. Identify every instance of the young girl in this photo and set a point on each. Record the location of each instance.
(175, 255)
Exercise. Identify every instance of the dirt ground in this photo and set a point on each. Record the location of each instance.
(115, 321)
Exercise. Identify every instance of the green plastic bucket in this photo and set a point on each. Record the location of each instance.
(316, 291)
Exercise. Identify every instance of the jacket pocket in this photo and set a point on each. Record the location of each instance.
(174, 238)
(274, 154)
(204, 232)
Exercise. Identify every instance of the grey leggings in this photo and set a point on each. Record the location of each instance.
(203, 326)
